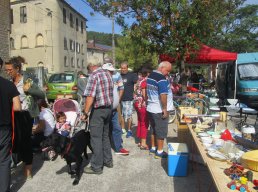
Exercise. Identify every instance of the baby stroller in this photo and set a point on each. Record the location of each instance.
(72, 110)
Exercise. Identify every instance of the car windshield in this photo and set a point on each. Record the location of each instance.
(61, 78)
(248, 71)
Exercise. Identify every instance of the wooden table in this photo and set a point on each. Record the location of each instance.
(215, 167)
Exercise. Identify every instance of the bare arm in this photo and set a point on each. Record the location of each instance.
(88, 103)
(16, 103)
(39, 128)
(144, 94)
(121, 92)
(163, 99)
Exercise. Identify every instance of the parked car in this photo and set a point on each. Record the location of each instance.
(62, 85)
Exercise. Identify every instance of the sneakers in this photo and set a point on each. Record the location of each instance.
(152, 151)
(122, 152)
(89, 170)
(123, 131)
(129, 134)
(162, 155)
(109, 165)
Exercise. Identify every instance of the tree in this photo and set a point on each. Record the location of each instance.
(240, 33)
(134, 54)
(172, 27)
(102, 38)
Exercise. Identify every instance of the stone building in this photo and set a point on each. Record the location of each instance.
(4, 29)
(48, 33)
(97, 52)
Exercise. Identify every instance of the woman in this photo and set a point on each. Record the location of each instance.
(29, 93)
(45, 126)
(140, 107)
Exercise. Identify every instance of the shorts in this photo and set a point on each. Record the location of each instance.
(158, 125)
(127, 109)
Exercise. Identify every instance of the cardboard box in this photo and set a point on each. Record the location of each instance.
(186, 110)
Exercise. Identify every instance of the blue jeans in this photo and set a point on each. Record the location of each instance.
(116, 131)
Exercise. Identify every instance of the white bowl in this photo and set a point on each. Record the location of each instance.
(218, 142)
(206, 140)
(203, 134)
(207, 145)
(216, 136)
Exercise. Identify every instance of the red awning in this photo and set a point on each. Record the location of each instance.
(205, 55)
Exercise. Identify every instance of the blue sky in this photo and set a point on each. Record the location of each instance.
(103, 24)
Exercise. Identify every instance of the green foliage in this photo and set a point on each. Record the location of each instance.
(173, 27)
(240, 33)
(102, 38)
(134, 54)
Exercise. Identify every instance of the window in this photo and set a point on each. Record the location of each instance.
(78, 63)
(72, 45)
(65, 44)
(64, 15)
(23, 14)
(39, 40)
(65, 62)
(72, 62)
(24, 42)
(81, 26)
(83, 64)
(78, 47)
(82, 49)
(40, 64)
(12, 44)
(77, 24)
(71, 20)
(248, 71)
(61, 78)
(11, 16)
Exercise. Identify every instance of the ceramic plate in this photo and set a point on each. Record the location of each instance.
(217, 155)
(203, 134)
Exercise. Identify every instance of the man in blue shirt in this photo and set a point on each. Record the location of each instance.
(160, 101)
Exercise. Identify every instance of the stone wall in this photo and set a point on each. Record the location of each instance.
(4, 28)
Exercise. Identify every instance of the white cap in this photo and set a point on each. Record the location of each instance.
(108, 66)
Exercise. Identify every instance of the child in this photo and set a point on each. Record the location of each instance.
(63, 127)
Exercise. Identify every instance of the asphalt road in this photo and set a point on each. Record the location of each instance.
(137, 172)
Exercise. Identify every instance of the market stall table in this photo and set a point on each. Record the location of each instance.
(215, 167)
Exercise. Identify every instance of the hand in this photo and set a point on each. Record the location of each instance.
(164, 114)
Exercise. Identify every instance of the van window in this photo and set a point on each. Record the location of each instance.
(61, 78)
(248, 71)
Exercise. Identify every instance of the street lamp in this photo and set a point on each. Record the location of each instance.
(49, 13)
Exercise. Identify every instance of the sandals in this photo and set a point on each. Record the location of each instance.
(144, 147)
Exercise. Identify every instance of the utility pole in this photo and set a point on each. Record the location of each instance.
(113, 39)
(49, 13)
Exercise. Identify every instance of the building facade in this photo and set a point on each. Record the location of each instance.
(97, 52)
(48, 33)
(4, 29)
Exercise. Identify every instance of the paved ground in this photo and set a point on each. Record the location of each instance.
(137, 172)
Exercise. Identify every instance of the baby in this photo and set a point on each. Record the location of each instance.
(63, 127)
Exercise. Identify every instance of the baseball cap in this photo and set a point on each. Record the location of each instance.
(108, 66)
(108, 60)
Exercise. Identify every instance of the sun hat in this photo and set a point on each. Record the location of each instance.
(108, 66)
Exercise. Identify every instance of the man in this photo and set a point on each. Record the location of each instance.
(114, 124)
(81, 84)
(160, 101)
(9, 99)
(99, 99)
(129, 79)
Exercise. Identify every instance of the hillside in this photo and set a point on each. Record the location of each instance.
(102, 38)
